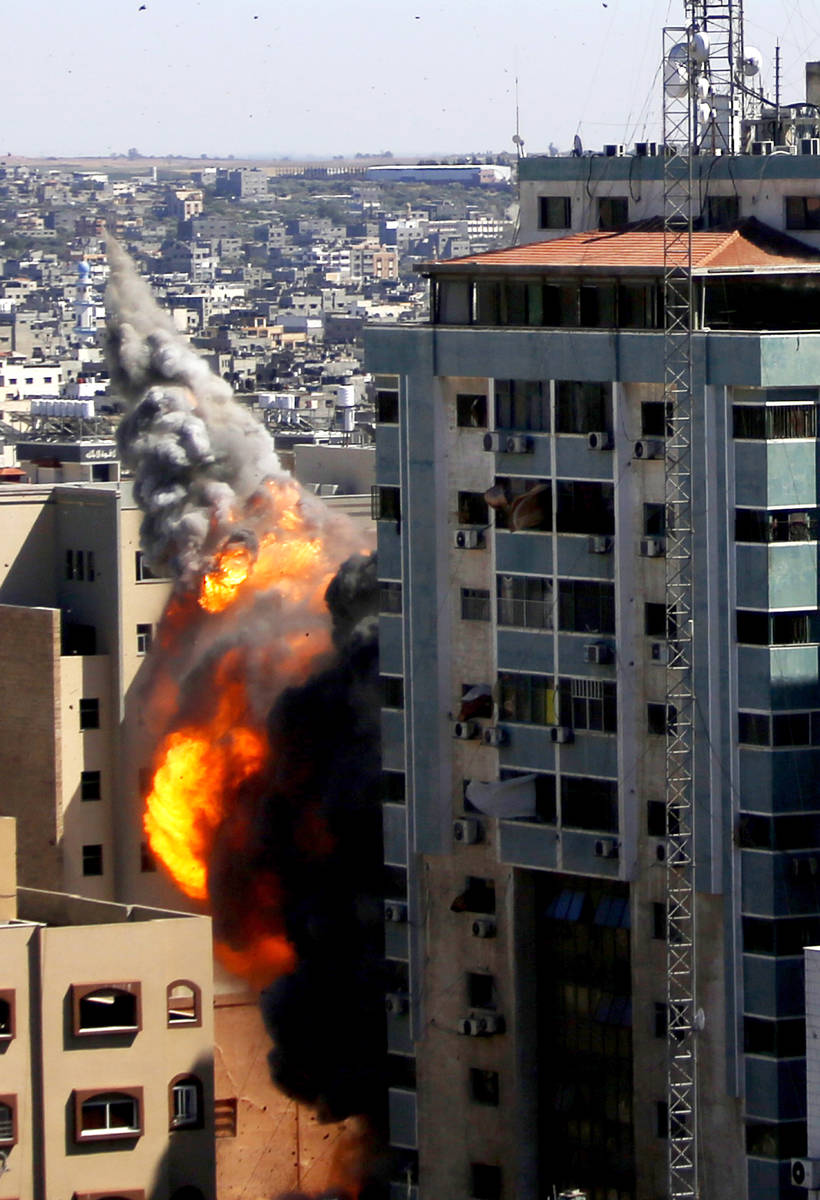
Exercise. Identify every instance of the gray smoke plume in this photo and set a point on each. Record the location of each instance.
(197, 456)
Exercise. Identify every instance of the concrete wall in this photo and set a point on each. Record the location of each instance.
(31, 737)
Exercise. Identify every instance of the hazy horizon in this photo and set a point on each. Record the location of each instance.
(194, 77)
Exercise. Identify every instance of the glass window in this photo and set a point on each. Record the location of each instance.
(522, 404)
(524, 601)
(473, 509)
(143, 571)
(90, 785)
(89, 713)
(475, 604)
(754, 729)
(529, 699)
(554, 212)
(722, 210)
(613, 212)
(582, 407)
(588, 704)
(803, 212)
(8, 1121)
(144, 636)
(585, 507)
(109, 1113)
(586, 606)
(148, 862)
(186, 1103)
(390, 596)
(588, 803)
(471, 411)
(774, 422)
(385, 503)
(93, 859)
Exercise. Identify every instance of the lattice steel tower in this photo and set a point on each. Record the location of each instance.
(705, 102)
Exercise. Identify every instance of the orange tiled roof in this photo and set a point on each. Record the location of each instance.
(749, 244)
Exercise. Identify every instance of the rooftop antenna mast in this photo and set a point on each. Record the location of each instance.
(704, 103)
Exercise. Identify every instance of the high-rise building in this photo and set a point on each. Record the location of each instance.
(525, 631)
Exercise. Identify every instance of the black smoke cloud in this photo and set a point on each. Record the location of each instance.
(306, 837)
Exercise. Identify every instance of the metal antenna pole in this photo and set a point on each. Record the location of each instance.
(678, 135)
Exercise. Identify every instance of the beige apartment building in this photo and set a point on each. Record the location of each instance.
(106, 1047)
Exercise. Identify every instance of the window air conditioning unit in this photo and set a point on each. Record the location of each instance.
(494, 442)
(659, 652)
(467, 539)
(653, 547)
(395, 1003)
(495, 735)
(765, 147)
(600, 440)
(648, 448)
(599, 543)
(395, 911)
(464, 730)
(606, 848)
(481, 1024)
(805, 1173)
(810, 145)
(466, 831)
(517, 443)
(483, 927)
(598, 653)
(562, 734)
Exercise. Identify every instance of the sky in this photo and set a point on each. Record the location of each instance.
(266, 78)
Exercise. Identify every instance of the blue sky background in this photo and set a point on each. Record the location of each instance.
(256, 77)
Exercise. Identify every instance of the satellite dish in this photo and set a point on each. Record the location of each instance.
(702, 87)
(699, 46)
(705, 113)
(674, 81)
(577, 146)
(679, 56)
(752, 61)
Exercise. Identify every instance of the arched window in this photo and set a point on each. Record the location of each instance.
(105, 1008)
(185, 1102)
(100, 1115)
(8, 1121)
(183, 1000)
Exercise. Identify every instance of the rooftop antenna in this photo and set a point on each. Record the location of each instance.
(518, 141)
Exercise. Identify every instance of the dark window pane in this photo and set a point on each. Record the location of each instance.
(471, 411)
(554, 212)
(589, 803)
(754, 729)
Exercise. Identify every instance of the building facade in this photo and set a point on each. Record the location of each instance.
(106, 1036)
(524, 636)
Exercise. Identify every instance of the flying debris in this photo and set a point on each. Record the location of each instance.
(261, 705)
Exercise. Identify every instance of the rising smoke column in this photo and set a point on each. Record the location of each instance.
(261, 698)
